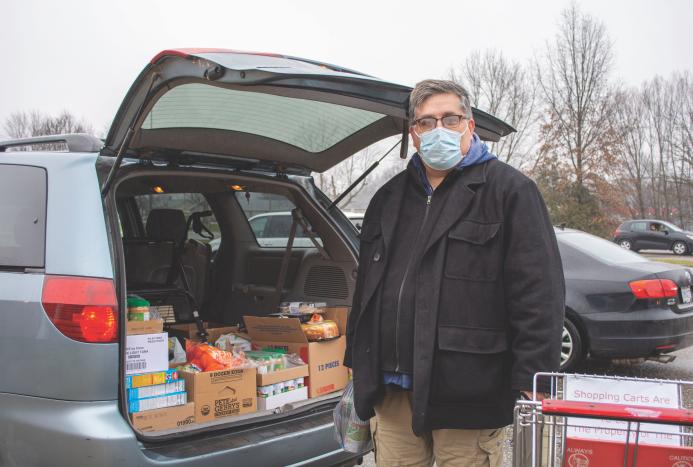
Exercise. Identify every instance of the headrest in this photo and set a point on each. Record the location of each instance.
(167, 225)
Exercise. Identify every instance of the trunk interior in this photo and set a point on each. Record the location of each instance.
(214, 243)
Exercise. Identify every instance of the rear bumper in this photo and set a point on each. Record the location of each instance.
(638, 334)
(37, 431)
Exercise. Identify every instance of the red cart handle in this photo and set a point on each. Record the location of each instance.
(618, 412)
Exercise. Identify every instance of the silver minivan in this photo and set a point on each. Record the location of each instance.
(204, 140)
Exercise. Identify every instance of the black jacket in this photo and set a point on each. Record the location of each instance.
(490, 300)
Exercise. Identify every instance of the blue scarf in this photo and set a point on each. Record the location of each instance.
(478, 154)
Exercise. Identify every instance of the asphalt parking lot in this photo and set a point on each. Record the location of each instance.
(679, 369)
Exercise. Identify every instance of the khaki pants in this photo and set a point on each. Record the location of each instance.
(397, 445)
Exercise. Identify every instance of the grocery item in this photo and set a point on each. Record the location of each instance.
(149, 379)
(153, 326)
(189, 367)
(222, 393)
(233, 343)
(318, 329)
(138, 308)
(146, 353)
(301, 308)
(209, 358)
(151, 403)
(156, 390)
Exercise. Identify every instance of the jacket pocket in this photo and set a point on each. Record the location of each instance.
(474, 251)
(470, 366)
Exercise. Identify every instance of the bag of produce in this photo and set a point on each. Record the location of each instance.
(209, 358)
(352, 433)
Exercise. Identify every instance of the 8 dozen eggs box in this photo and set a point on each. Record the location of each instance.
(222, 393)
(326, 371)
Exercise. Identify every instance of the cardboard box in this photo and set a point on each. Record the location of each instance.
(274, 377)
(146, 353)
(324, 359)
(221, 393)
(164, 419)
(150, 379)
(189, 331)
(279, 400)
(155, 326)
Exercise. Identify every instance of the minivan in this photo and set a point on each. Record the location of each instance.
(204, 140)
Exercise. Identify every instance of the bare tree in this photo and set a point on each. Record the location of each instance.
(573, 77)
(505, 89)
(334, 181)
(630, 122)
(35, 123)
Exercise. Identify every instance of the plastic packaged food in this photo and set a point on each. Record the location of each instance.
(189, 367)
(301, 308)
(138, 308)
(318, 329)
(209, 358)
(233, 343)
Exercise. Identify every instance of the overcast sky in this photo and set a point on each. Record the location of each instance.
(82, 55)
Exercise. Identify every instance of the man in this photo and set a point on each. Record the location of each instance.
(459, 298)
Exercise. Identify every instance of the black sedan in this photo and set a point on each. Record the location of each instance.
(647, 234)
(620, 305)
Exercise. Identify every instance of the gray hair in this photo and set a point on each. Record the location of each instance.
(430, 87)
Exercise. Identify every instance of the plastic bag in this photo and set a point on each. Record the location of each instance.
(176, 354)
(232, 343)
(209, 358)
(352, 433)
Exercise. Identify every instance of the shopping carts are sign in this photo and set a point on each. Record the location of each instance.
(627, 392)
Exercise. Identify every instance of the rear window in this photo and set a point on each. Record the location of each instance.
(638, 226)
(22, 216)
(599, 248)
(310, 125)
(269, 217)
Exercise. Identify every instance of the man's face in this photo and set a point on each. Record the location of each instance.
(438, 106)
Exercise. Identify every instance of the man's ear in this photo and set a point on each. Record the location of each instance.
(415, 138)
(472, 125)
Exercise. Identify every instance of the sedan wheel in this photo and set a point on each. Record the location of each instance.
(680, 248)
(571, 346)
(625, 244)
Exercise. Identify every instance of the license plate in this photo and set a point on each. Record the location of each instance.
(686, 294)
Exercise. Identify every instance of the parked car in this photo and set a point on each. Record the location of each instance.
(620, 305)
(647, 234)
(198, 134)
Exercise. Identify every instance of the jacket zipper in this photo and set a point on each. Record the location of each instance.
(404, 279)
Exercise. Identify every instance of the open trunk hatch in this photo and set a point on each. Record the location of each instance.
(229, 107)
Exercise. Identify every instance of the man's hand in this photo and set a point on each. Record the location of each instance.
(540, 395)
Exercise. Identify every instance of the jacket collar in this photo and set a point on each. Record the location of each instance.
(461, 195)
(457, 202)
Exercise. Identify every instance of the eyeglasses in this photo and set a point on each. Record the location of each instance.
(426, 124)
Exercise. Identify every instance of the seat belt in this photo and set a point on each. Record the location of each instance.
(281, 279)
(297, 219)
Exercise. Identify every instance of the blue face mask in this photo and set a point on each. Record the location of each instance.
(440, 148)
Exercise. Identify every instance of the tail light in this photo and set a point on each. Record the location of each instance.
(617, 232)
(82, 308)
(654, 288)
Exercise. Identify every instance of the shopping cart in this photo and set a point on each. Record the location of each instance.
(604, 421)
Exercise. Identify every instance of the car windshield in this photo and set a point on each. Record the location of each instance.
(599, 248)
